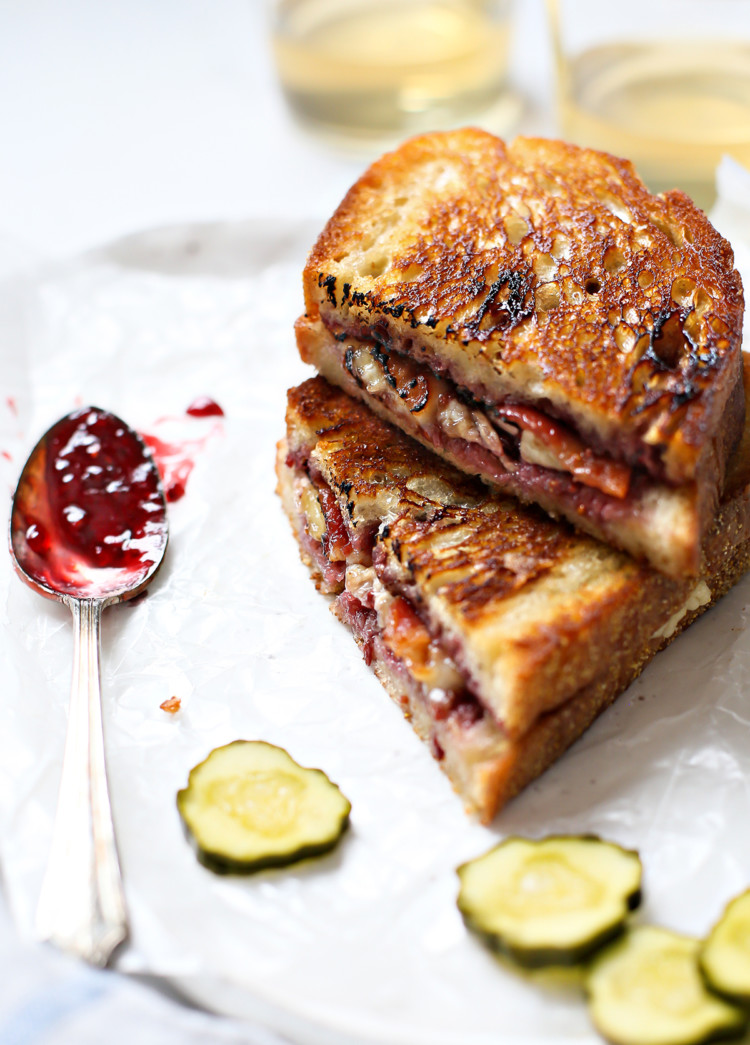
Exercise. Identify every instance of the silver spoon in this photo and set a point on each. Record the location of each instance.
(88, 527)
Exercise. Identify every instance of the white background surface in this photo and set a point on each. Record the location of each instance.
(123, 115)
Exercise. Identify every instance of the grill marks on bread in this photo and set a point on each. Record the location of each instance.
(374, 468)
(477, 557)
(543, 269)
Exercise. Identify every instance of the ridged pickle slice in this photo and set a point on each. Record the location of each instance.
(550, 901)
(646, 989)
(249, 806)
(725, 956)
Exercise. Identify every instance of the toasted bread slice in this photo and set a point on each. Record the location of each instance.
(501, 633)
(545, 278)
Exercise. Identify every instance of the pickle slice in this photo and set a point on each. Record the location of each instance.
(250, 806)
(552, 901)
(646, 989)
(725, 956)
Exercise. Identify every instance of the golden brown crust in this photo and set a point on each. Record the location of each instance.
(548, 272)
(528, 757)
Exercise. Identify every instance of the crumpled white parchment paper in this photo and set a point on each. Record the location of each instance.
(365, 945)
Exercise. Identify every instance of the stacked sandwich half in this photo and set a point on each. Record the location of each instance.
(523, 470)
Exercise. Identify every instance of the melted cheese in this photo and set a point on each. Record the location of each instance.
(699, 596)
(535, 451)
(310, 508)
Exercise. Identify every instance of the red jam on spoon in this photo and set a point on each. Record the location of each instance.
(89, 517)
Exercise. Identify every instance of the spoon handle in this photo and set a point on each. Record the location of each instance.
(81, 905)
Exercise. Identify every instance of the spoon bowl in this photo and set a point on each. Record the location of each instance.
(89, 517)
(88, 528)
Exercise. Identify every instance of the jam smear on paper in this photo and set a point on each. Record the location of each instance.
(204, 406)
(175, 463)
(175, 458)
